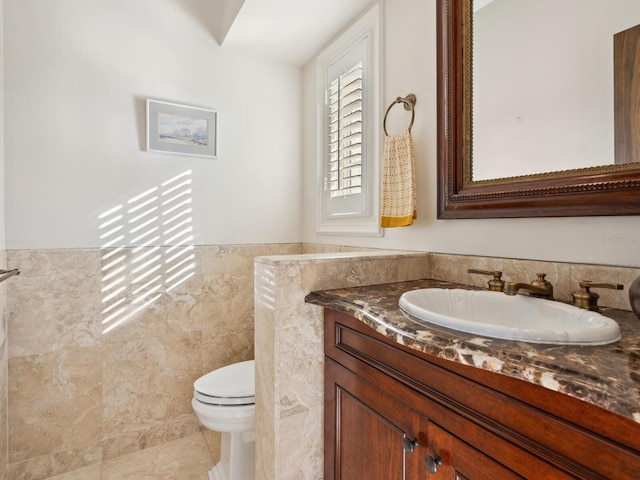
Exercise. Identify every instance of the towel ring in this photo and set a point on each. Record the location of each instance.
(409, 103)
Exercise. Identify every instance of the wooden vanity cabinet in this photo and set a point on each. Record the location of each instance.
(376, 434)
(392, 413)
(377, 437)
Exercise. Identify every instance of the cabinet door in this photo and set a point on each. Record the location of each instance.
(448, 457)
(370, 435)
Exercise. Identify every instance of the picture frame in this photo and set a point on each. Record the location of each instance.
(181, 129)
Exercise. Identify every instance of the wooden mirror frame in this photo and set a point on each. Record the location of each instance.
(605, 190)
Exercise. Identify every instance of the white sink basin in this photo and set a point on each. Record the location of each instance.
(494, 314)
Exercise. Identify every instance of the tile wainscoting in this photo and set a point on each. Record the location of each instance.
(289, 347)
(80, 394)
(3, 373)
(565, 277)
(290, 354)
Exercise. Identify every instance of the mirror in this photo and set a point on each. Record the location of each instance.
(550, 87)
(478, 182)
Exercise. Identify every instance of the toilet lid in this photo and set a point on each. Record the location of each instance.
(230, 385)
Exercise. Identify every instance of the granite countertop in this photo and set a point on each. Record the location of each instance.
(607, 376)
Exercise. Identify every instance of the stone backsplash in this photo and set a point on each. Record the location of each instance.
(565, 277)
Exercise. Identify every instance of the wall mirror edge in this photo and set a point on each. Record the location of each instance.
(606, 190)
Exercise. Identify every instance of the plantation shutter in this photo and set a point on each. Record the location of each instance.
(345, 133)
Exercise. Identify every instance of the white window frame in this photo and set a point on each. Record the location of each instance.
(367, 29)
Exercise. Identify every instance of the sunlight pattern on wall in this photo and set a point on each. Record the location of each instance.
(265, 288)
(147, 249)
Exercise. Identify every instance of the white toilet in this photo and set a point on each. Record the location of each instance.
(224, 401)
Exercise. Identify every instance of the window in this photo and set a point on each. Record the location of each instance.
(348, 133)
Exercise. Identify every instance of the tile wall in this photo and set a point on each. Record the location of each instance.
(565, 277)
(3, 375)
(290, 354)
(82, 389)
(85, 386)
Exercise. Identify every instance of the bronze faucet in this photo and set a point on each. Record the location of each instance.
(587, 299)
(538, 288)
(496, 284)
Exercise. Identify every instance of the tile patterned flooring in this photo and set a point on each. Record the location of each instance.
(187, 458)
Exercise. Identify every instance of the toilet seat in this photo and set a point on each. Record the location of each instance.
(231, 401)
(230, 385)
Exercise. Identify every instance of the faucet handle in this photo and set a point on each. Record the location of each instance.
(540, 280)
(587, 299)
(496, 284)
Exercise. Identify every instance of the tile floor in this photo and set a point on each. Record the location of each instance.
(187, 458)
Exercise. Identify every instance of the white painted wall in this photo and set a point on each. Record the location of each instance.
(76, 78)
(2, 188)
(410, 66)
(77, 74)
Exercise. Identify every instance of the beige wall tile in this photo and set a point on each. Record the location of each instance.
(565, 277)
(345, 273)
(454, 268)
(319, 248)
(414, 268)
(54, 303)
(226, 347)
(295, 432)
(267, 382)
(55, 402)
(4, 426)
(4, 375)
(149, 381)
(145, 363)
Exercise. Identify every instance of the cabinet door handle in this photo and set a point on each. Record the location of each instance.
(432, 463)
(409, 445)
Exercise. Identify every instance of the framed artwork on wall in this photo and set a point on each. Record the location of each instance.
(181, 129)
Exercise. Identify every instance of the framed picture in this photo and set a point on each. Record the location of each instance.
(181, 129)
